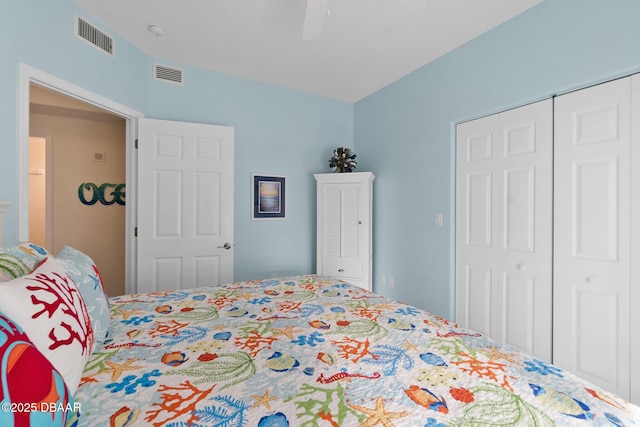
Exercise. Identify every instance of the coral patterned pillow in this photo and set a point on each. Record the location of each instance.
(47, 305)
(18, 260)
(84, 272)
(33, 393)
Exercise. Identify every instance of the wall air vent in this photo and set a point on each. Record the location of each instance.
(167, 74)
(94, 36)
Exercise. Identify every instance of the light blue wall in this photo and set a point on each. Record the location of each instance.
(278, 131)
(405, 132)
(39, 33)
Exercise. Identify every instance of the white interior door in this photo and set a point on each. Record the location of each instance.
(504, 208)
(476, 238)
(525, 185)
(592, 234)
(185, 205)
(635, 241)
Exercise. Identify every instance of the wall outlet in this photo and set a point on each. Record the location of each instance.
(392, 282)
(383, 279)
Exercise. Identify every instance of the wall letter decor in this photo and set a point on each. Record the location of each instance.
(98, 193)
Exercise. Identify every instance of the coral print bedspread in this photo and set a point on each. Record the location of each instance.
(312, 351)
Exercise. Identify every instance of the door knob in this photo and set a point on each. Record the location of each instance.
(226, 245)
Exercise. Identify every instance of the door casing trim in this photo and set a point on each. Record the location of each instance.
(28, 75)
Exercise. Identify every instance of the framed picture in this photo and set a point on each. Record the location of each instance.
(268, 196)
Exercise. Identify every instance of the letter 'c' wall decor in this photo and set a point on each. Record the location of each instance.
(98, 193)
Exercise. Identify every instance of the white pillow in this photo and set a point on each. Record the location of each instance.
(48, 306)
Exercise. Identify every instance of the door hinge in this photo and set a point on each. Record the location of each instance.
(136, 144)
(135, 232)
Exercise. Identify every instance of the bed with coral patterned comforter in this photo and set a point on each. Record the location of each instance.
(314, 351)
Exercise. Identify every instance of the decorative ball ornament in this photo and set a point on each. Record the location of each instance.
(343, 160)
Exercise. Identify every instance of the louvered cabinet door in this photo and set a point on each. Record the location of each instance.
(344, 226)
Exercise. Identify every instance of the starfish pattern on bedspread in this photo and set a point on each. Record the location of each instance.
(313, 351)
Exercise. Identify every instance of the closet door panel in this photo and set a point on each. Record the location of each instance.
(477, 295)
(591, 234)
(595, 212)
(525, 215)
(479, 211)
(591, 352)
(519, 210)
(503, 230)
(519, 314)
(476, 248)
(635, 241)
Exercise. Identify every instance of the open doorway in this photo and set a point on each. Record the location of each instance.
(30, 76)
(77, 175)
(38, 193)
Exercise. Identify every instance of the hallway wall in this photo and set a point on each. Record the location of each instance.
(97, 230)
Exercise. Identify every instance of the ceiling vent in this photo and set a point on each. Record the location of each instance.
(167, 74)
(94, 36)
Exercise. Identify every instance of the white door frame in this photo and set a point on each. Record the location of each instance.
(30, 75)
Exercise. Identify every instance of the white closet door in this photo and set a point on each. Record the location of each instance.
(635, 241)
(592, 234)
(525, 217)
(504, 208)
(476, 241)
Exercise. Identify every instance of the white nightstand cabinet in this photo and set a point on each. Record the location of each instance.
(345, 226)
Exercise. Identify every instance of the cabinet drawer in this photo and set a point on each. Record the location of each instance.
(342, 270)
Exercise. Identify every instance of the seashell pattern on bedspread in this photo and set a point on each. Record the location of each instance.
(315, 351)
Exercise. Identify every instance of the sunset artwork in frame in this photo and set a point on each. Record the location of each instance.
(268, 195)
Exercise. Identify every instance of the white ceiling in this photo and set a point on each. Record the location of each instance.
(364, 44)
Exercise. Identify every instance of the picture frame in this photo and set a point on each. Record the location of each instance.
(268, 196)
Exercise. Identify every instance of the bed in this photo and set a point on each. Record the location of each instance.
(311, 351)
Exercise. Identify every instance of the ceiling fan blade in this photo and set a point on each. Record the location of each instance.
(314, 18)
